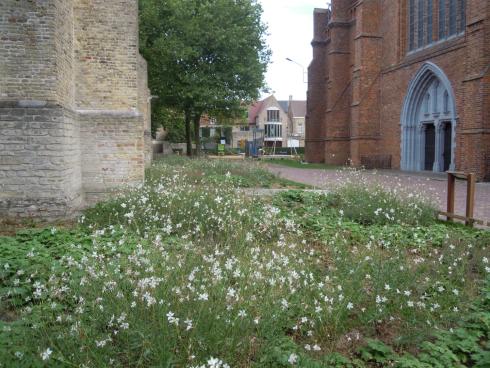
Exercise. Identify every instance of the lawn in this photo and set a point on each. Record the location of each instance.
(298, 164)
(185, 271)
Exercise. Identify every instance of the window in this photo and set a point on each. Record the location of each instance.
(273, 115)
(462, 15)
(300, 129)
(429, 20)
(452, 17)
(420, 23)
(451, 20)
(273, 131)
(244, 128)
(442, 19)
(411, 22)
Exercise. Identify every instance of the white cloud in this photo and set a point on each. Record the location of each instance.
(290, 27)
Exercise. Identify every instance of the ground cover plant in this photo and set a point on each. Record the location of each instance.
(186, 271)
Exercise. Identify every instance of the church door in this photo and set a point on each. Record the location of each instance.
(430, 146)
(448, 137)
(428, 122)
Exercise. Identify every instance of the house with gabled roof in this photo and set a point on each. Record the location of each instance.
(282, 121)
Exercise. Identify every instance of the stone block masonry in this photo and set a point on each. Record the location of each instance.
(74, 104)
(39, 162)
(112, 153)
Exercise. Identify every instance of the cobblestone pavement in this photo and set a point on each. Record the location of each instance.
(434, 186)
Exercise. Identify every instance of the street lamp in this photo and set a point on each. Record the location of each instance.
(302, 67)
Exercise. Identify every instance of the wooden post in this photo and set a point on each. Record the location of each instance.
(470, 199)
(451, 181)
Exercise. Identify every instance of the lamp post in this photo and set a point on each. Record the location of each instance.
(302, 67)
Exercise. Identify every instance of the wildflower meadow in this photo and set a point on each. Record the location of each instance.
(189, 271)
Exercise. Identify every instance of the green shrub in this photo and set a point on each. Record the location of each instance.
(374, 204)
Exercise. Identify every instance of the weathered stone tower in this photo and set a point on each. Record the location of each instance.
(74, 104)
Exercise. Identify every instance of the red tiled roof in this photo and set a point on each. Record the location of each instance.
(253, 111)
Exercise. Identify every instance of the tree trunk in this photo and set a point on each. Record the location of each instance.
(188, 137)
(197, 137)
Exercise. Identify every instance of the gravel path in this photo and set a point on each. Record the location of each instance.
(434, 186)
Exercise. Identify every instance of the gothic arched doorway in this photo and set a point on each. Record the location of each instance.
(428, 122)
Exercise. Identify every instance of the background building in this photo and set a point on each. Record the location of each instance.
(74, 104)
(282, 121)
(401, 84)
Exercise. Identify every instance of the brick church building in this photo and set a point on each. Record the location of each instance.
(402, 84)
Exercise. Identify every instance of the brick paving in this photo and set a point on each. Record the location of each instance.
(433, 186)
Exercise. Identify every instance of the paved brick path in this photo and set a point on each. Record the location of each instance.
(434, 186)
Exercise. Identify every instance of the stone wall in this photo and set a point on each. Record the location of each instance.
(112, 152)
(64, 47)
(39, 162)
(144, 107)
(27, 52)
(74, 104)
(106, 54)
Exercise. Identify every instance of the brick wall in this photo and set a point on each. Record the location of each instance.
(365, 70)
(317, 87)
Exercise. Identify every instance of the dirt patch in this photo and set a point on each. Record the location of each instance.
(10, 227)
(8, 315)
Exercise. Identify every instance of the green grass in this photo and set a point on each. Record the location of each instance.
(185, 271)
(240, 173)
(300, 164)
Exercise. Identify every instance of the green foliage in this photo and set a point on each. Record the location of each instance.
(372, 204)
(467, 345)
(170, 120)
(188, 271)
(377, 352)
(203, 56)
(36, 253)
(299, 164)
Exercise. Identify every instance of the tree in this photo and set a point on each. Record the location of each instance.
(203, 55)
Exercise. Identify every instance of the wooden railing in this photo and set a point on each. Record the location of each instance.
(470, 179)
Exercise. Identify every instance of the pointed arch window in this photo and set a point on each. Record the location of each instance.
(452, 17)
(442, 19)
(451, 20)
(462, 15)
(420, 22)
(411, 25)
(429, 21)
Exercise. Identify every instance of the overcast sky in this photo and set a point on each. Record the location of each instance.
(290, 25)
